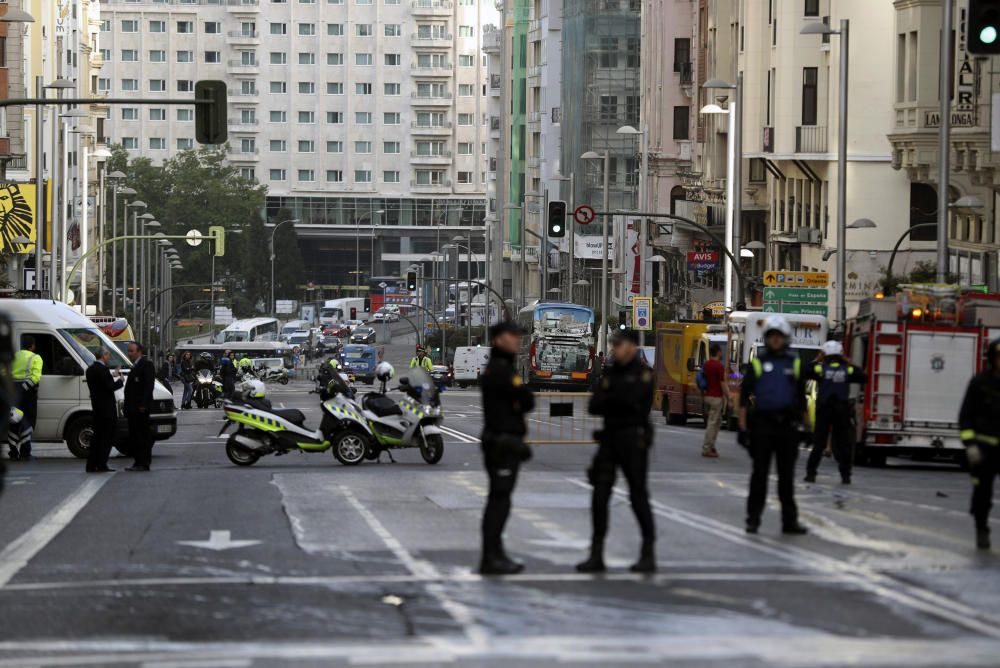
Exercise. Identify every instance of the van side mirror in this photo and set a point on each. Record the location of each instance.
(691, 366)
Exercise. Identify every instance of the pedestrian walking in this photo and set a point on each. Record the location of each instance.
(138, 402)
(979, 422)
(716, 398)
(102, 385)
(833, 377)
(227, 372)
(26, 371)
(187, 378)
(506, 399)
(624, 397)
(772, 403)
(164, 373)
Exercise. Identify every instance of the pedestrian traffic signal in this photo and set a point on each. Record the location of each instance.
(354, 313)
(368, 305)
(556, 221)
(411, 281)
(218, 235)
(211, 124)
(622, 321)
(983, 27)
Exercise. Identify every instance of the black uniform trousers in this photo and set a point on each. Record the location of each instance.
(140, 438)
(627, 449)
(27, 401)
(983, 473)
(832, 418)
(773, 436)
(502, 464)
(100, 446)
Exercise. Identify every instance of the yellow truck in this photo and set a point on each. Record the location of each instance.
(681, 350)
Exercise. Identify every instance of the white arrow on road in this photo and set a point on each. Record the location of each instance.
(218, 541)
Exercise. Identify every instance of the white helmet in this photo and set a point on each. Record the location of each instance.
(253, 388)
(775, 322)
(384, 371)
(832, 348)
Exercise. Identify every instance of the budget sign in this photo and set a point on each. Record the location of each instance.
(702, 260)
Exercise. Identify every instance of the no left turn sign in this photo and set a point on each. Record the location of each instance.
(584, 214)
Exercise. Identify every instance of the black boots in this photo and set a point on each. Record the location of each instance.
(983, 538)
(499, 565)
(594, 563)
(647, 560)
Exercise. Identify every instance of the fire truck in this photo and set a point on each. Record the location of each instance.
(919, 349)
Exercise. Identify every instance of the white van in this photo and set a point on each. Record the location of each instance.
(469, 363)
(66, 342)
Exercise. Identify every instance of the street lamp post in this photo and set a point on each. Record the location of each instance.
(523, 272)
(274, 304)
(643, 190)
(591, 155)
(126, 286)
(844, 32)
(114, 233)
(357, 250)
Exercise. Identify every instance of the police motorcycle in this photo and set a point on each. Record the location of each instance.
(207, 386)
(411, 422)
(270, 374)
(264, 430)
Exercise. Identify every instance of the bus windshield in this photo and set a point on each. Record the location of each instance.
(559, 357)
(564, 321)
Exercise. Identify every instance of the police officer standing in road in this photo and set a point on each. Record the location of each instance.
(27, 374)
(772, 402)
(505, 401)
(833, 377)
(421, 361)
(623, 396)
(979, 421)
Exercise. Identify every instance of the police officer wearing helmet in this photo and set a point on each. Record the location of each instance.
(623, 396)
(833, 377)
(772, 402)
(979, 421)
(506, 399)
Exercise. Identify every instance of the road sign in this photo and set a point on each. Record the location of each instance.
(284, 306)
(800, 279)
(584, 214)
(193, 237)
(802, 309)
(642, 313)
(806, 295)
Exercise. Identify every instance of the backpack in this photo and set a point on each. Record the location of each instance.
(701, 380)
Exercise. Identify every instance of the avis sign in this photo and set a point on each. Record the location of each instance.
(702, 260)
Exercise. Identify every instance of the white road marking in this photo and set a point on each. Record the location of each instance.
(465, 438)
(475, 633)
(218, 541)
(18, 553)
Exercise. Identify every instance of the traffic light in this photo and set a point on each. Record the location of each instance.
(411, 281)
(368, 305)
(556, 221)
(622, 321)
(354, 313)
(211, 125)
(983, 27)
(218, 235)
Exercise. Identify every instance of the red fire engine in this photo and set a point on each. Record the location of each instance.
(919, 351)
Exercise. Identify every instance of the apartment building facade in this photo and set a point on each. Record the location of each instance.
(361, 118)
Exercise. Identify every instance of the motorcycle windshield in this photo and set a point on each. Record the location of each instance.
(422, 386)
(205, 376)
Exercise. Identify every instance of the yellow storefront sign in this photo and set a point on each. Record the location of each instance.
(17, 217)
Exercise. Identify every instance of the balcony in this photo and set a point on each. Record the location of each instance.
(240, 125)
(444, 184)
(246, 94)
(432, 7)
(443, 158)
(240, 66)
(767, 140)
(419, 40)
(686, 70)
(810, 139)
(441, 70)
(534, 72)
(237, 6)
(442, 129)
(432, 101)
(240, 37)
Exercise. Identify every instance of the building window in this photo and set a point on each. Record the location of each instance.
(130, 85)
(334, 88)
(279, 87)
(390, 147)
(248, 145)
(276, 116)
(609, 52)
(130, 55)
(157, 114)
(609, 107)
(130, 25)
(157, 144)
(130, 143)
(466, 90)
(363, 29)
(307, 117)
(335, 147)
(682, 121)
(307, 88)
(130, 114)
(307, 175)
(105, 55)
(363, 117)
(393, 59)
(307, 58)
(277, 174)
(425, 148)
(157, 85)
(248, 173)
(464, 178)
(213, 56)
(278, 58)
(185, 115)
(279, 28)
(307, 29)
(393, 30)
(809, 95)
(466, 119)
(362, 147)
(157, 26)
(632, 52)
(248, 116)
(362, 176)
(185, 86)
(633, 103)
(362, 89)
(391, 89)
(106, 25)
(465, 148)
(391, 176)
(185, 56)
(426, 177)
(466, 61)
(682, 53)
(335, 117)
(334, 59)
(213, 27)
(185, 144)
(248, 58)
(247, 87)
(391, 118)
(334, 29)
(277, 146)
(307, 146)
(362, 59)
(334, 176)
(104, 85)
(811, 8)
(185, 27)
(465, 31)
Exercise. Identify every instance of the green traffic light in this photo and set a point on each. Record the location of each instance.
(988, 35)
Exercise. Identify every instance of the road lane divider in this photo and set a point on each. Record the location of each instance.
(461, 436)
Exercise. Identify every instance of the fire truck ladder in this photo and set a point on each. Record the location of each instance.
(887, 408)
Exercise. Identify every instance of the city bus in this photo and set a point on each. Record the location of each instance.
(559, 347)
(252, 329)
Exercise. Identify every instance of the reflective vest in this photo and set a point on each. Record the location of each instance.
(776, 386)
(834, 381)
(425, 363)
(27, 367)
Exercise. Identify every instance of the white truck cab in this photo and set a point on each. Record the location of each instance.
(66, 342)
(468, 364)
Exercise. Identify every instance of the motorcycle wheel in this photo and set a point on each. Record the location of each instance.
(432, 448)
(283, 380)
(350, 447)
(239, 455)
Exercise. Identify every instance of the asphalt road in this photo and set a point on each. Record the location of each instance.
(326, 565)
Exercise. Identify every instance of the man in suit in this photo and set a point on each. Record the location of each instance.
(102, 387)
(138, 402)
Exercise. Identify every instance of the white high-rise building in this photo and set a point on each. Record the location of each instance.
(358, 115)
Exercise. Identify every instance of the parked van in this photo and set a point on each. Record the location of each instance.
(469, 363)
(360, 360)
(67, 341)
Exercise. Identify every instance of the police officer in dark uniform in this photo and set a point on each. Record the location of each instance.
(772, 402)
(505, 401)
(833, 377)
(624, 396)
(979, 421)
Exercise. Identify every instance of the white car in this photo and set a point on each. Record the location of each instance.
(385, 315)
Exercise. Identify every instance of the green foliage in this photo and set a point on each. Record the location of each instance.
(195, 189)
(922, 272)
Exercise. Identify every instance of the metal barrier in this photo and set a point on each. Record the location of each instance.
(562, 418)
